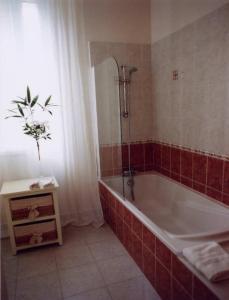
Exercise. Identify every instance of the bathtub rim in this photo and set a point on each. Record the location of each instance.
(221, 208)
(168, 240)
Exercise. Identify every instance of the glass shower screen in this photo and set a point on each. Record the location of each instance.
(109, 123)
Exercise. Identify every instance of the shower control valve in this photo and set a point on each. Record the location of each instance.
(125, 114)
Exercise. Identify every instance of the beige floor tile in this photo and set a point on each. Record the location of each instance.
(134, 289)
(73, 235)
(9, 269)
(104, 233)
(118, 269)
(37, 262)
(80, 279)
(99, 294)
(44, 287)
(6, 251)
(11, 288)
(105, 250)
(72, 256)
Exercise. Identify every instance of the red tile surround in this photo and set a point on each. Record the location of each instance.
(202, 172)
(168, 275)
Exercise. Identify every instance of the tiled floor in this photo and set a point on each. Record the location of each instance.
(91, 265)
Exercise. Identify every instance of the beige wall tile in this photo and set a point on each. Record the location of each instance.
(192, 111)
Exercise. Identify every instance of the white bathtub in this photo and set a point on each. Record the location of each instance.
(178, 216)
(179, 211)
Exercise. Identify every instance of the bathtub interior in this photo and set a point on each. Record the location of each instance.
(179, 211)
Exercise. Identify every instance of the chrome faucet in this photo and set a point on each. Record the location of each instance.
(129, 173)
(130, 182)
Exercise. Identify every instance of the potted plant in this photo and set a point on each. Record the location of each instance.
(26, 109)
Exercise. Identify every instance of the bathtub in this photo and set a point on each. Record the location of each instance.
(176, 217)
(180, 216)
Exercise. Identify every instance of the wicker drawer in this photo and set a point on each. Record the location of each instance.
(36, 233)
(31, 207)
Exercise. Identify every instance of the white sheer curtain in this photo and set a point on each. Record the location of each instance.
(43, 45)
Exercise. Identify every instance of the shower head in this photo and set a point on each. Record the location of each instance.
(132, 69)
(127, 71)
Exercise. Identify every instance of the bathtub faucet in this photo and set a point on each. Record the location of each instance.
(130, 181)
(129, 173)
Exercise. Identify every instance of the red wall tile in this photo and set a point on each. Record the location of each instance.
(163, 254)
(165, 172)
(137, 227)
(175, 176)
(119, 228)
(117, 157)
(226, 199)
(127, 216)
(106, 158)
(105, 173)
(201, 292)
(215, 173)
(182, 274)
(102, 190)
(186, 181)
(214, 194)
(175, 160)
(197, 171)
(157, 156)
(125, 156)
(149, 239)
(178, 293)
(163, 282)
(149, 265)
(127, 238)
(199, 187)
(226, 178)
(186, 164)
(148, 152)
(112, 217)
(112, 200)
(120, 209)
(137, 251)
(199, 168)
(165, 157)
(137, 156)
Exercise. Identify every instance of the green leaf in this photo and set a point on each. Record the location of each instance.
(34, 101)
(41, 106)
(28, 95)
(24, 100)
(19, 102)
(48, 100)
(12, 110)
(20, 110)
(16, 116)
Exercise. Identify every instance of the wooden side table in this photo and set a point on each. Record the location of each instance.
(32, 214)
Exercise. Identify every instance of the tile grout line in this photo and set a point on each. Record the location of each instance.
(223, 175)
(100, 272)
(58, 277)
(16, 281)
(106, 284)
